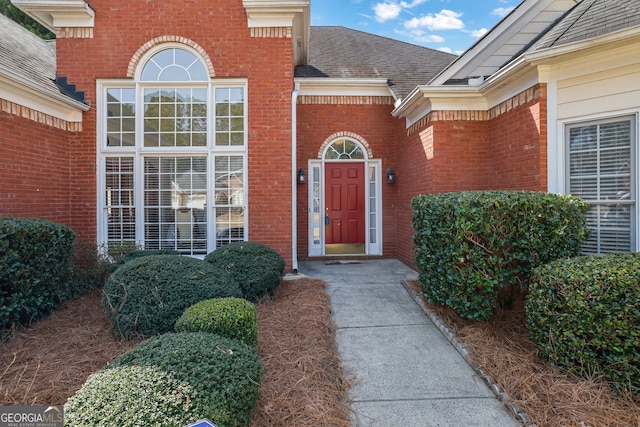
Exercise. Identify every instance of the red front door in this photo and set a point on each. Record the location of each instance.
(344, 203)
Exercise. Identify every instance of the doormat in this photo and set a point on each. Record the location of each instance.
(340, 262)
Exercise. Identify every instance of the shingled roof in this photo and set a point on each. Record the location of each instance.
(339, 52)
(27, 56)
(590, 19)
(30, 60)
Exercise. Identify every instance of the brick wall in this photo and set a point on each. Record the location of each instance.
(219, 28)
(34, 169)
(372, 122)
(518, 130)
(503, 148)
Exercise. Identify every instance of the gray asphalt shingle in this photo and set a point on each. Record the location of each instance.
(590, 19)
(339, 52)
(28, 56)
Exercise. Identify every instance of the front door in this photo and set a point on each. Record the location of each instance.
(344, 208)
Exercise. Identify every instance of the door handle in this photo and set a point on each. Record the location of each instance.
(326, 219)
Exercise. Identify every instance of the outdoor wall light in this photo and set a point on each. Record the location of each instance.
(302, 179)
(391, 177)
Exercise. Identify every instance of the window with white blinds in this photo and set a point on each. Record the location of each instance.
(172, 155)
(601, 170)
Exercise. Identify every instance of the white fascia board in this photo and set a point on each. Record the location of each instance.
(58, 13)
(20, 92)
(602, 44)
(494, 39)
(271, 13)
(320, 86)
(428, 98)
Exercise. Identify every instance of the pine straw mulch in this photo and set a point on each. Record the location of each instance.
(303, 382)
(502, 349)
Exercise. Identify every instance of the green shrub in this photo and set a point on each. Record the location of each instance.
(584, 315)
(119, 260)
(257, 268)
(181, 376)
(476, 250)
(35, 268)
(91, 267)
(229, 317)
(147, 295)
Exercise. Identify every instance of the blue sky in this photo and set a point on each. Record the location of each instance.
(447, 25)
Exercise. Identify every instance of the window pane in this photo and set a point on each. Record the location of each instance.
(174, 65)
(120, 117)
(229, 199)
(600, 171)
(175, 196)
(178, 115)
(229, 116)
(119, 201)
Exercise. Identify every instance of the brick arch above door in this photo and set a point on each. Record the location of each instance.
(345, 134)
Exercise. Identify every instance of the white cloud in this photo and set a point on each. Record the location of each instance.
(386, 11)
(502, 11)
(445, 50)
(414, 3)
(443, 20)
(479, 33)
(422, 37)
(391, 9)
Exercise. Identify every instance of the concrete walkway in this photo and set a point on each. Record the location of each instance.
(406, 372)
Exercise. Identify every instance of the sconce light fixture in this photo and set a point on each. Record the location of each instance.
(302, 179)
(391, 177)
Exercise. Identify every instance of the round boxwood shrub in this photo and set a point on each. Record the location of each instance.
(174, 379)
(138, 253)
(583, 316)
(229, 317)
(257, 268)
(147, 295)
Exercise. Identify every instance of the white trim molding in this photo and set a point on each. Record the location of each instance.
(55, 14)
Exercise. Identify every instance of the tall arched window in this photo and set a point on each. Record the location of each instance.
(172, 151)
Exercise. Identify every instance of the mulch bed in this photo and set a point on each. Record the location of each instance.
(303, 383)
(502, 348)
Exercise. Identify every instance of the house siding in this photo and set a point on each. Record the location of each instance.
(503, 148)
(220, 29)
(34, 169)
(317, 120)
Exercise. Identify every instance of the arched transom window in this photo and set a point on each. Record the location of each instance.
(173, 156)
(344, 149)
(174, 65)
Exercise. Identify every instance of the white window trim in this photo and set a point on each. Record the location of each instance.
(315, 250)
(558, 156)
(139, 152)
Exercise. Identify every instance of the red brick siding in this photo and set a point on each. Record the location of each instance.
(374, 123)
(519, 144)
(507, 151)
(34, 170)
(220, 28)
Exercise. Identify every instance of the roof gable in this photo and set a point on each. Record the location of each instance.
(504, 41)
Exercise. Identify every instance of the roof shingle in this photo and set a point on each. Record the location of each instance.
(339, 52)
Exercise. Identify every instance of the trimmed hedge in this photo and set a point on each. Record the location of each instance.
(35, 268)
(229, 317)
(146, 295)
(584, 316)
(138, 253)
(257, 268)
(172, 380)
(476, 250)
